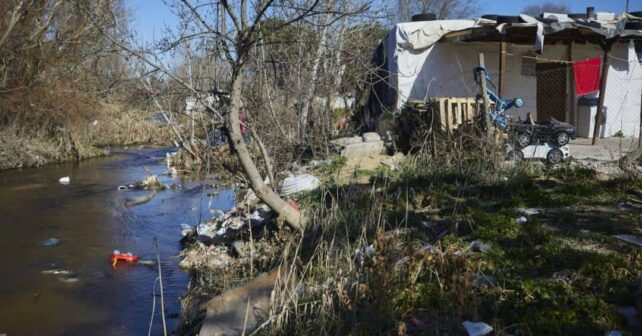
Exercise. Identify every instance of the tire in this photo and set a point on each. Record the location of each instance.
(578, 16)
(633, 25)
(507, 19)
(523, 139)
(554, 156)
(490, 17)
(562, 138)
(516, 155)
(424, 17)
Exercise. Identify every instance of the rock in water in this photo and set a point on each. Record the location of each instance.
(477, 328)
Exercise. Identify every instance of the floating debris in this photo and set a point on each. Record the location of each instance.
(64, 180)
(56, 271)
(51, 242)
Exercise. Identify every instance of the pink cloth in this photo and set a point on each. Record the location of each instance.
(242, 119)
(587, 76)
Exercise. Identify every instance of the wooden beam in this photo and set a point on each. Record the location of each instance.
(599, 115)
(502, 69)
(486, 109)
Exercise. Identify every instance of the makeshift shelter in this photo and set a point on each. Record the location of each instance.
(529, 58)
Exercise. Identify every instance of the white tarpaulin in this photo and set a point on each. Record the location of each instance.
(408, 46)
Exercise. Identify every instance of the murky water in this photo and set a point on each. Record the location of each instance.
(90, 218)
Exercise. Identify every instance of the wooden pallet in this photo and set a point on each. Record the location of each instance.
(451, 112)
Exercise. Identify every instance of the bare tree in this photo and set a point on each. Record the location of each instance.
(547, 7)
(443, 9)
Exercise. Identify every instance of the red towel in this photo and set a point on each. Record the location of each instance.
(587, 76)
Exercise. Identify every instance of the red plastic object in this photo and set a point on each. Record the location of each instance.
(124, 257)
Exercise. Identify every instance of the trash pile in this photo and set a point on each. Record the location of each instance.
(230, 236)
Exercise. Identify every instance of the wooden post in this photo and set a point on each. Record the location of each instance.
(486, 109)
(640, 130)
(599, 115)
(502, 69)
(570, 87)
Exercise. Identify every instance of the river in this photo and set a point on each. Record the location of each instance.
(90, 218)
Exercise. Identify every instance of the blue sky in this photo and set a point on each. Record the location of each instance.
(150, 16)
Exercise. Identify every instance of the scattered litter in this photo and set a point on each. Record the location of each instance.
(221, 231)
(294, 204)
(117, 256)
(69, 278)
(631, 239)
(94, 123)
(146, 262)
(561, 277)
(141, 199)
(64, 180)
(528, 212)
(205, 230)
(625, 205)
(51, 242)
(368, 252)
(243, 249)
(62, 274)
(186, 230)
(613, 333)
(479, 246)
(521, 220)
(427, 225)
(294, 184)
(122, 187)
(477, 328)
(151, 182)
(172, 172)
(217, 212)
(56, 271)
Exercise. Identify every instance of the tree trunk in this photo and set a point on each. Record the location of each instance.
(309, 94)
(293, 217)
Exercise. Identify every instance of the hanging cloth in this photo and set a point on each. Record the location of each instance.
(587, 76)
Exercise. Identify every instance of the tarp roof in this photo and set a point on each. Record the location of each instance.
(552, 29)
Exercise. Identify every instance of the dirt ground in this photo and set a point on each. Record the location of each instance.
(609, 149)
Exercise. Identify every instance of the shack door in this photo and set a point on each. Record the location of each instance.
(552, 93)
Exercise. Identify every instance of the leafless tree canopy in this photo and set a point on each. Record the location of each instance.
(548, 7)
(443, 9)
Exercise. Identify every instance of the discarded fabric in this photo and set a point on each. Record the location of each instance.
(478, 246)
(294, 184)
(587, 76)
(528, 212)
(477, 328)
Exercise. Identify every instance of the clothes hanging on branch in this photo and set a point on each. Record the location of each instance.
(587, 76)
